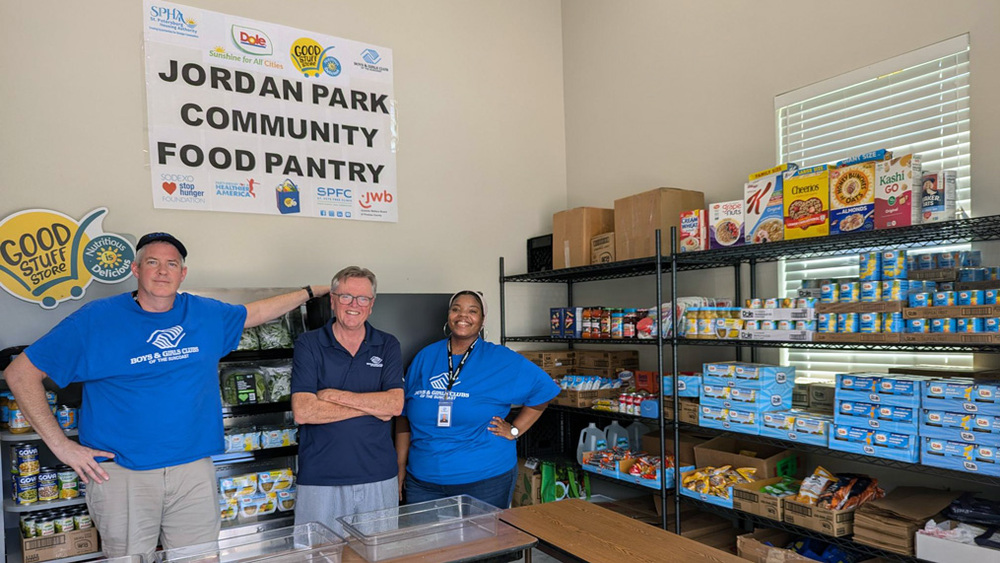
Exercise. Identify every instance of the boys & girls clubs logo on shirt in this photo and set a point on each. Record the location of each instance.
(47, 257)
(167, 341)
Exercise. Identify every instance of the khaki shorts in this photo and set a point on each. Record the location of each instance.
(176, 506)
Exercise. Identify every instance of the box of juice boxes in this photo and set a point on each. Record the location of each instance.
(725, 224)
(852, 198)
(938, 192)
(807, 203)
(895, 201)
(762, 204)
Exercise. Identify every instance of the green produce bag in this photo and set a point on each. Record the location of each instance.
(561, 482)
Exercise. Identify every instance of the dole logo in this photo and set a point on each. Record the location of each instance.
(369, 198)
(250, 40)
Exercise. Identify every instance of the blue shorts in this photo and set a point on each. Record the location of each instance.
(497, 491)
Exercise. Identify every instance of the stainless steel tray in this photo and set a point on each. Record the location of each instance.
(306, 542)
(396, 532)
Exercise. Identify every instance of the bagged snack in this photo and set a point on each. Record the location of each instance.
(814, 485)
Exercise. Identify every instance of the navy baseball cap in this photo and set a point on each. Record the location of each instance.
(162, 237)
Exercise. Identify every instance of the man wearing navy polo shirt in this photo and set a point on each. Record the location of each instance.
(151, 414)
(347, 384)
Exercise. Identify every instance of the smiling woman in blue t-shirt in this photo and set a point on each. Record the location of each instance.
(453, 438)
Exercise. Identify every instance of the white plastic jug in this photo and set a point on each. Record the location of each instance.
(616, 435)
(636, 431)
(591, 438)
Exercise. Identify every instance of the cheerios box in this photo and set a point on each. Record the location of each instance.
(852, 198)
(896, 201)
(806, 203)
(762, 204)
(725, 224)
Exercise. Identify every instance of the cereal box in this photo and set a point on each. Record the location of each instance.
(725, 224)
(762, 209)
(938, 196)
(694, 230)
(895, 205)
(806, 203)
(852, 198)
(876, 155)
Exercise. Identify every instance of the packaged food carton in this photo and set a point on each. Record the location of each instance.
(763, 204)
(938, 192)
(637, 218)
(725, 224)
(807, 203)
(573, 230)
(895, 201)
(852, 198)
(693, 232)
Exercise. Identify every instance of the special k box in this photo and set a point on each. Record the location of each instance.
(852, 198)
(694, 231)
(762, 204)
(896, 201)
(807, 203)
(725, 224)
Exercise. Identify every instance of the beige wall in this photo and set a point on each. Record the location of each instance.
(481, 161)
(681, 93)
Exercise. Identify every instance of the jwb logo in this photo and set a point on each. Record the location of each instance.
(370, 198)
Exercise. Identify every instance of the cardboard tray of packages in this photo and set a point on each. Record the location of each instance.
(951, 338)
(583, 399)
(858, 337)
(759, 547)
(419, 527)
(951, 311)
(778, 335)
(830, 522)
(748, 497)
(58, 546)
(876, 307)
(778, 314)
(936, 274)
(305, 542)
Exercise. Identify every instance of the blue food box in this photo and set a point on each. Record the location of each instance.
(909, 401)
(723, 370)
(712, 417)
(743, 421)
(768, 378)
(877, 443)
(796, 426)
(878, 417)
(961, 427)
(959, 456)
(556, 321)
(858, 381)
(963, 395)
(747, 398)
(687, 385)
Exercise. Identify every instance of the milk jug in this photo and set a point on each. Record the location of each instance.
(592, 438)
(616, 435)
(635, 432)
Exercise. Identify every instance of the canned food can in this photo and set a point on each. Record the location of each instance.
(893, 290)
(805, 303)
(28, 525)
(45, 525)
(24, 459)
(947, 260)
(63, 522)
(916, 326)
(829, 293)
(767, 325)
(82, 521)
(66, 416)
(870, 291)
(755, 303)
(970, 297)
(870, 266)
(926, 261)
(751, 325)
(944, 325)
(944, 298)
(847, 322)
(945, 286)
(806, 325)
(920, 300)
(970, 258)
(771, 303)
(48, 484)
(69, 482)
(969, 325)
(785, 325)
(894, 265)
(869, 323)
(827, 322)
(892, 322)
(850, 292)
(787, 302)
(25, 489)
(991, 324)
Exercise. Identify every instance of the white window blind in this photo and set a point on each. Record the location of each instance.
(915, 103)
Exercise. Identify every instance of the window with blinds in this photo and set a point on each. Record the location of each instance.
(915, 103)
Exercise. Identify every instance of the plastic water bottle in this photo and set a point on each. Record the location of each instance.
(635, 432)
(592, 438)
(616, 435)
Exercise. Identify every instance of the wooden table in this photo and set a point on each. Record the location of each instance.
(508, 540)
(591, 533)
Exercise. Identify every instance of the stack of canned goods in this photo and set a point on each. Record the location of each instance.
(24, 468)
(40, 523)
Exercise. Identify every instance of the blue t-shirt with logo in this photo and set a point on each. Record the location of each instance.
(494, 378)
(360, 449)
(150, 380)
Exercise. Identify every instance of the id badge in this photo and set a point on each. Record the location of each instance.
(444, 414)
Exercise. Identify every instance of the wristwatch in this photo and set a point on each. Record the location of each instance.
(514, 431)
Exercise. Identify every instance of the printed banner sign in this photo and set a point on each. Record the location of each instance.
(47, 257)
(254, 117)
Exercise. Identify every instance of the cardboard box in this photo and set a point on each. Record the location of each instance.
(651, 444)
(834, 523)
(582, 399)
(58, 546)
(807, 203)
(852, 198)
(528, 489)
(768, 460)
(572, 231)
(688, 410)
(895, 205)
(749, 498)
(637, 218)
(602, 249)
(940, 550)
(821, 396)
(759, 547)
(550, 358)
(607, 359)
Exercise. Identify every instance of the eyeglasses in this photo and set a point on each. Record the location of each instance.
(347, 299)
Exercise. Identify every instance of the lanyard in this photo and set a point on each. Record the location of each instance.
(452, 372)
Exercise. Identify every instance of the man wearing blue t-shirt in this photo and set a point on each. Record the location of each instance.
(151, 412)
(347, 384)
